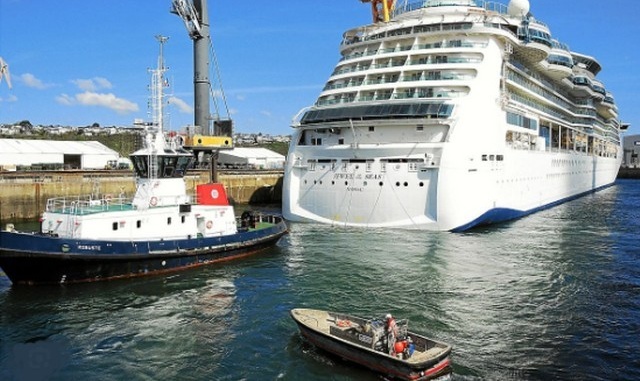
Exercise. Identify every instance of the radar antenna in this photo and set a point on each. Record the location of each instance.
(4, 70)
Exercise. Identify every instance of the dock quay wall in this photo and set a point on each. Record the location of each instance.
(24, 195)
(629, 173)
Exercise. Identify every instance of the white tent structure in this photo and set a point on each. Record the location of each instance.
(67, 154)
(249, 157)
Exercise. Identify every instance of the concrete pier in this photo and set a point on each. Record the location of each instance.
(23, 195)
(629, 173)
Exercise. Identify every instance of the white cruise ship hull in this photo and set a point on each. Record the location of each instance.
(450, 197)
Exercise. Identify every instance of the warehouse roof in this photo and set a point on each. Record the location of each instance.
(25, 146)
(253, 152)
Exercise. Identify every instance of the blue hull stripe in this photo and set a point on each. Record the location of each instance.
(505, 214)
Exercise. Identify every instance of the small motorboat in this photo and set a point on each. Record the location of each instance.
(381, 344)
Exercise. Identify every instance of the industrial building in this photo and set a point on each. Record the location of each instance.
(631, 147)
(54, 154)
(251, 158)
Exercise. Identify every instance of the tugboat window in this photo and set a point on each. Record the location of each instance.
(140, 165)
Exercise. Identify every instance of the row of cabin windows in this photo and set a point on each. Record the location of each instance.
(365, 183)
(318, 141)
(116, 224)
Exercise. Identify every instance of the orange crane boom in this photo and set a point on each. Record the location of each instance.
(381, 9)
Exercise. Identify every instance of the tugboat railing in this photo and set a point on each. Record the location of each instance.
(80, 205)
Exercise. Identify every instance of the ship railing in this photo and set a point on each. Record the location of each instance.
(491, 6)
(81, 205)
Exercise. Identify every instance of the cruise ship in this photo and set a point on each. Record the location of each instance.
(449, 114)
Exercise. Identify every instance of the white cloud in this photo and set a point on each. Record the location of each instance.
(11, 98)
(88, 98)
(65, 99)
(103, 83)
(31, 81)
(183, 107)
(266, 113)
(110, 101)
(92, 84)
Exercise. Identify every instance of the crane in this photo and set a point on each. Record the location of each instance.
(187, 12)
(4, 70)
(203, 138)
(381, 9)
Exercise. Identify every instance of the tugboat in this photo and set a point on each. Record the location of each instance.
(381, 344)
(161, 229)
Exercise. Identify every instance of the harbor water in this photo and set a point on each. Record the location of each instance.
(552, 296)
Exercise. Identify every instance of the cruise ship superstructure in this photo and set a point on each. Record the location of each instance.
(448, 114)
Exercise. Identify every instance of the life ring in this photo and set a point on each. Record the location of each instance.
(153, 201)
(209, 224)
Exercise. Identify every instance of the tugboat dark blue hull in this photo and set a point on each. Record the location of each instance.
(31, 258)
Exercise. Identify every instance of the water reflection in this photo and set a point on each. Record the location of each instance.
(125, 327)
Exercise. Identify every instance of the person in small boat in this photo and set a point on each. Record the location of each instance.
(392, 333)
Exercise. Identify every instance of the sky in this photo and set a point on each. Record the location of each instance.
(76, 63)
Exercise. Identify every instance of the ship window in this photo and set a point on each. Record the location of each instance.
(484, 157)
(499, 157)
(168, 220)
(114, 226)
(419, 127)
(140, 165)
(341, 141)
(182, 218)
(371, 128)
(138, 224)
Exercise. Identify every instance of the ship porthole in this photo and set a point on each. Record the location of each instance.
(406, 184)
(381, 183)
(421, 184)
(65, 248)
(397, 183)
(164, 263)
